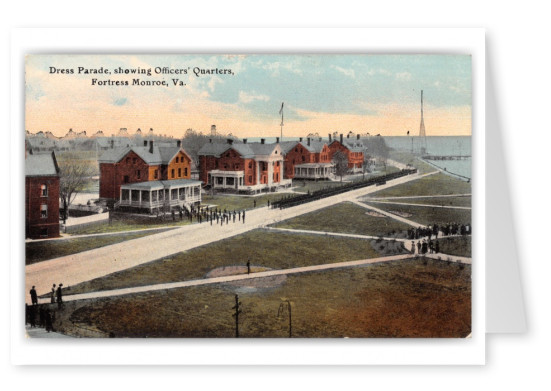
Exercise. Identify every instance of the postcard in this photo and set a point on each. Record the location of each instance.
(248, 196)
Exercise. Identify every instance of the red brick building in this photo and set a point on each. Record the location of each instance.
(352, 148)
(310, 159)
(127, 165)
(41, 196)
(242, 167)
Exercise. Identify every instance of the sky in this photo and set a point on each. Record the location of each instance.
(243, 94)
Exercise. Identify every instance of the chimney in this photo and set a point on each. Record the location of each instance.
(230, 141)
(210, 140)
(277, 140)
(262, 140)
(244, 141)
(213, 130)
(112, 143)
(308, 141)
(329, 137)
(348, 135)
(179, 143)
(341, 138)
(300, 139)
(357, 137)
(145, 143)
(320, 139)
(150, 146)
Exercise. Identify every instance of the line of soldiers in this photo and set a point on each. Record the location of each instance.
(424, 246)
(436, 230)
(208, 214)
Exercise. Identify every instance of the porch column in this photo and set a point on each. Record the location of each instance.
(270, 173)
(282, 170)
(257, 172)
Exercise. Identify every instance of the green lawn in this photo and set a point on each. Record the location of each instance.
(345, 217)
(460, 246)
(436, 184)
(427, 215)
(238, 202)
(419, 298)
(277, 250)
(50, 249)
(305, 186)
(440, 201)
(124, 222)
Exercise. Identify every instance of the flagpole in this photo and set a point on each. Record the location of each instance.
(281, 112)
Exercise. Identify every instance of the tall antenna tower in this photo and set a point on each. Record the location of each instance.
(422, 132)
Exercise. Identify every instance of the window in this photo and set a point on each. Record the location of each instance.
(134, 160)
(179, 172)
(138, 174)
(278, 164)
(156, 174)
(250, 179)
(125, 179)
(250, 164)
(177, 159)
(44, 232)
(303, 158)
(127, 160)
(185, 171)
(172, 173)
(44, 191)
(44, 211)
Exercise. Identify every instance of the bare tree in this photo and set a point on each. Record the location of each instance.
(74, 176)
(341, 163)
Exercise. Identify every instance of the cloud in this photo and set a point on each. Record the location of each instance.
(405, 76)
(245, 97)
(344, 71)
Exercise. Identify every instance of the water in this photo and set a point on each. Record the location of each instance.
(439, 146)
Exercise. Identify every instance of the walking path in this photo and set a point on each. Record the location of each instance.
(413, 204)
(391, 215)
(84, 266)
(357, 236)
(240, 277)
(133, 231)
(419, 196)
(38, 332)
(217, 280)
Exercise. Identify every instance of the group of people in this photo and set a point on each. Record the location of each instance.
(212, 215)
(436, 230)
(425, 246)
(46, 317)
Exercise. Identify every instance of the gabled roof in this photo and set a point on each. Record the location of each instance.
(159, 155)
(286, 146)
(314, 147)
(213, 149)
(44, 164)
(350, 146)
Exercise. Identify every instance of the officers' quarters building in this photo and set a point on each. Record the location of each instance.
(353, 149)
(307, 160)
(242, 167)
(148, 178)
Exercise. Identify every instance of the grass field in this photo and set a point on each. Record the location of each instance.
(130, 223)
(437, 184)
(276, 250)
(460, 246)
(345, 217)
(50, 249)
(440, 201)
(427, 215)
(418, 298)
(408, 158)
(238, 202)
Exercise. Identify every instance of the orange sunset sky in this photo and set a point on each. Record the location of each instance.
(242, 94)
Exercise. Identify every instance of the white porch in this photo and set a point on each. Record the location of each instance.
(158, 194)
(314, 170)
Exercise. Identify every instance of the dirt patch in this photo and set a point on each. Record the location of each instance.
(400, 213)
(251, 284)
(374, 214)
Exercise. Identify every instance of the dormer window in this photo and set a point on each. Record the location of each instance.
(44, 191)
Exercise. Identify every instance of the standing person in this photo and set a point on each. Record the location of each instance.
(49, 325)
(59, 296)
(268, 204)
(243, 217)
(52, 294)
(34, 297)
(32, 315)
(418, 247)
(437, 247)
(412, 247)
(254, 203)
(248, 266)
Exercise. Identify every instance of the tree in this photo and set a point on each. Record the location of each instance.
(341, 163)
(74, 176)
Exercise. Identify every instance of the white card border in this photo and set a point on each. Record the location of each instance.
(254, 352)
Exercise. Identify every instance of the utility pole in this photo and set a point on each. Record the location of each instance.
(236, 315)
(281, 112)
